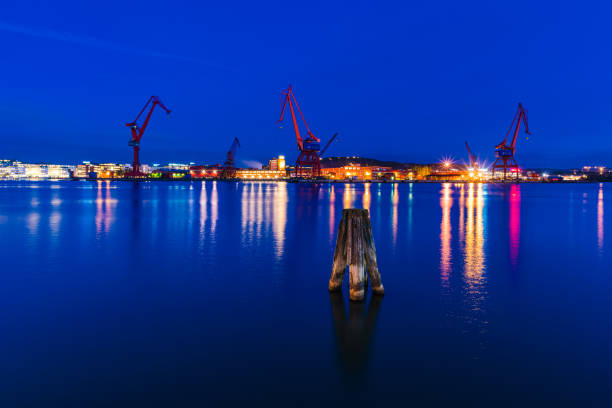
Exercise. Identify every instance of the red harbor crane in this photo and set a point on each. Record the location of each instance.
(138, 131)
(504, 152)
(473, 161)
(229, 171)
(308, 163)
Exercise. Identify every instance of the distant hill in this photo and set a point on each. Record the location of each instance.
(328, 162)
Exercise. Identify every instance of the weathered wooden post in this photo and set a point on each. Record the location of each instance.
(355, 249)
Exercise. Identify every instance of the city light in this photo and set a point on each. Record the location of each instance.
(446, 170)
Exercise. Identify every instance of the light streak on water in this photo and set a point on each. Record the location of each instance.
(104, 208)
(600, 217)
(474, 247)
(279, 218)
(446, 202)
(367, 198)
(394, 218)
(214, 208)
(332, 208)
(348, 197)
(203, 213)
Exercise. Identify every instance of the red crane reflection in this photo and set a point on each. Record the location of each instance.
(515, 222)
(600, 217)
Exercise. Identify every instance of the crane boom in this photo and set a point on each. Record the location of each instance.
(231, 154)
(327, 145)
(471, 156)
(289, 98)
(137, 132)
(523, 115)
(520, 115)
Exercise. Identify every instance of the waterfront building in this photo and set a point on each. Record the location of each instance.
(272, 164)
(595, 170)
(354, 171)
(166, 174)
(260, 174)
(100, 171)
(205, 172)
(448, 175)
(59, 172)
(83, 170)
(15, 170)
(178, 166)
(277, 163)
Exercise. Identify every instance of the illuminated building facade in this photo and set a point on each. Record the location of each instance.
(15, 170)
(595, 169)
(357, 172)
(277, 163)
(101, 171)
(260, 174)
(205, 172)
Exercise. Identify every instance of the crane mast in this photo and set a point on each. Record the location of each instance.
(138, 131)
(229, 171)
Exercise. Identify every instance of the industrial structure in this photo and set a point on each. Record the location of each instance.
(137, 133)
(504, 152)
(228, 169)
(473, 161)
(308, 163)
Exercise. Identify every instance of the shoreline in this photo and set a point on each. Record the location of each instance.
(316, 181)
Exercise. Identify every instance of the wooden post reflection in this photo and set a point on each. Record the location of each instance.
(355, 332)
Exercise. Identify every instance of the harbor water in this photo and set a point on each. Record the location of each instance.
(200, 293)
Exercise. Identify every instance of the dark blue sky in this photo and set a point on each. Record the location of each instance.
(397, 80)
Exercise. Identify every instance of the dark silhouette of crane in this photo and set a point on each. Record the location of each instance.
(308, 163)
(229, 171)
(473, 160)
(323, 150)
(137, 133)
(505, 152)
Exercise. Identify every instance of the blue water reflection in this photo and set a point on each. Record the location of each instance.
(188, 291)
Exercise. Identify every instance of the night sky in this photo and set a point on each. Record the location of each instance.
(408, 81)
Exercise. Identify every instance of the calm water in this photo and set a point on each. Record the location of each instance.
(126, 294)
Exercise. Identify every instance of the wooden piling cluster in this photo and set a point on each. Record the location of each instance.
(355, 249)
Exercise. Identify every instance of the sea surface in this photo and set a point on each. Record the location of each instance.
(215, 293)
